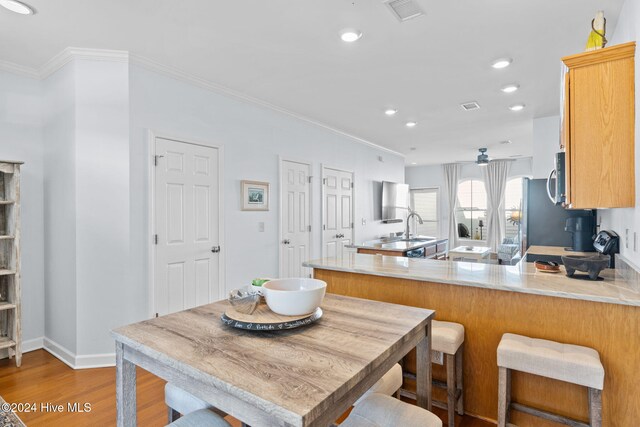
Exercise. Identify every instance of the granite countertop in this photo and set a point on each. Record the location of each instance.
(398, 245)
(523, 277)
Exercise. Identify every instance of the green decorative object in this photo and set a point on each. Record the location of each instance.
(259, 282)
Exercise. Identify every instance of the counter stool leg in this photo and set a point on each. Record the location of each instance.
(595, 407)
(504, 395)
(451, 388)
(173, 415)
(459, 380)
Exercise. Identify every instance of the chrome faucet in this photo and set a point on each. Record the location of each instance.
(412, 213)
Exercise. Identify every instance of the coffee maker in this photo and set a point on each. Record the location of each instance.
(583, 229)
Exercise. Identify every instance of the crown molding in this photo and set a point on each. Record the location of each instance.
(19, 70)
(71, 53)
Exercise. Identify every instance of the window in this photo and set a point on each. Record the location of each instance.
(425, 202)
(513, 207)
(471, 212)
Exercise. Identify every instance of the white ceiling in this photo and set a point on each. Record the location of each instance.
(288, 53)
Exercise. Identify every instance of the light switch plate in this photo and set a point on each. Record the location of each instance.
(626, 238)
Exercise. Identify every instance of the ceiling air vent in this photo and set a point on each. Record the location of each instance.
(468, 106)
(404, 10)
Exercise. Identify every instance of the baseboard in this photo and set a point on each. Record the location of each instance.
(27, 346)
(64, 355)
(31, 345)
(79, 361)
(96, 361)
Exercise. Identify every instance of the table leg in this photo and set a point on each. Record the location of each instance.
(125, 389)
(423, 371)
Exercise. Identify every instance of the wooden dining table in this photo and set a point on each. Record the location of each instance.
(299, 377)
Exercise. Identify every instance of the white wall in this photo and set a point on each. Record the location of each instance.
(433, 176)
(59, 207)
(21, 139)
(102, 204)
(546, 143)
(619, 220)
(253, 138)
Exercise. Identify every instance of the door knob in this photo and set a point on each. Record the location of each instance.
(215, 249)
(286, 241)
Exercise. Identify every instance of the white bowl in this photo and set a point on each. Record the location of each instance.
(294, 297)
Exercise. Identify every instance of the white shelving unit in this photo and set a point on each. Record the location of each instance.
(10, 286)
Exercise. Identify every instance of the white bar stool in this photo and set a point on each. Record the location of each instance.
(389, 384)
(379, 410)
(181, 402)
(448, 338)
(199, 418)
(565, 362)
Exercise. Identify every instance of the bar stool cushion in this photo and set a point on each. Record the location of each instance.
(202, 417)
(446, 337)
(379, 410)
(565, 362)
(181, 400)
(388, 384)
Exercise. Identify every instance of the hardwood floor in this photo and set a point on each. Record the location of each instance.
(44, 379)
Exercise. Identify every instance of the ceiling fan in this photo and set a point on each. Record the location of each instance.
(483, 158)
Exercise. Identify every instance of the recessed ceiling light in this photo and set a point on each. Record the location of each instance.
(502, 63)
(510, 88)
(17, 7)
(411, 124)
(350, 35)
(412, 148)
(413, 163)
(506, 141)
(517, 107)
(390, 111)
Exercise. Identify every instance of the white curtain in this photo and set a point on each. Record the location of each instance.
(451, 178)
(495, 180)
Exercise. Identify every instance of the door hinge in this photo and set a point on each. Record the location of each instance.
(352, 185)
(324, 226)
(155, 239)
(324, 181)
(157, 315)
(353, 225)
(309, 178)
(308, 228)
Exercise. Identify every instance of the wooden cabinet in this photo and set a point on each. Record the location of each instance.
(598, 128)
(10, 293)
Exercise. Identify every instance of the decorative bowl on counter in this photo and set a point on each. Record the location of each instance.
(592, 264)
(294, 297)
(547, 266)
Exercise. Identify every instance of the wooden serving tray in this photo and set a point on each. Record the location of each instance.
(263, 319)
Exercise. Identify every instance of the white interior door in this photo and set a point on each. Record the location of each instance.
(187, 214)
(337, 212)
(295, 228)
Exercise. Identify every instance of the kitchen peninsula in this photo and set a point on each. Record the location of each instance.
(490, 300)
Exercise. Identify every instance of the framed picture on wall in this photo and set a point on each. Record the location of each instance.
(255, 196)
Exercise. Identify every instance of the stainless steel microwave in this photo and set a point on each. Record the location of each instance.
(556, 183)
